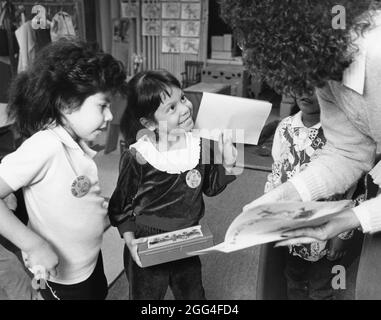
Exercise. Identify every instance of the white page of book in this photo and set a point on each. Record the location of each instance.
(267, 222)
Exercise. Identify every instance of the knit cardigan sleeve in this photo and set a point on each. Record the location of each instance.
(351, 124)
(347, 155)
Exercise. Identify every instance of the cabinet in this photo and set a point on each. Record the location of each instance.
(233, 74)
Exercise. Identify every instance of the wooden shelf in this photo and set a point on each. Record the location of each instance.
(235, 61)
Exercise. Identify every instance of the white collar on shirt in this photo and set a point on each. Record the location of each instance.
(68, 141)
(354, 75)
(172, 161)
(298, 123)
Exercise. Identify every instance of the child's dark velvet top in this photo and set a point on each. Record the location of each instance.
(151, 198)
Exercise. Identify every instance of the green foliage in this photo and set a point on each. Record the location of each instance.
(291, 44)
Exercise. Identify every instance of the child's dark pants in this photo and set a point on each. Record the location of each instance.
(93, 288)
(151, 283)
(309, 280)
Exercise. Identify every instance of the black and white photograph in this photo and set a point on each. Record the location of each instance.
(125, 125)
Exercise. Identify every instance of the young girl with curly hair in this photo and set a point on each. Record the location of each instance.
(59, 103)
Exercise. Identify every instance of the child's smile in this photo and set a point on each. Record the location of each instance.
(187, 118)
(175, 112)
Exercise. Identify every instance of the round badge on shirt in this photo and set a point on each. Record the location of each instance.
(193, 178)
(81, 186)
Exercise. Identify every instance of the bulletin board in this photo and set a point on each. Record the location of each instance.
(176, 22)
(171, 32)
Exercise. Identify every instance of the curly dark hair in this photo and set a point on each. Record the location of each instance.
(63, 75)
(291, 44)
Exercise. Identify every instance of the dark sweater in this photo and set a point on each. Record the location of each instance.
(151, 198)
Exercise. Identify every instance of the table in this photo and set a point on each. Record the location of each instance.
(194, 93)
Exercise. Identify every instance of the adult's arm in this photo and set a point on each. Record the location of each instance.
(346, 156)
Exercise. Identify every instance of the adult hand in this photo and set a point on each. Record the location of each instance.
(344, 221)
(132, 245)
(42, 260)
(11, 202)
(285, 192)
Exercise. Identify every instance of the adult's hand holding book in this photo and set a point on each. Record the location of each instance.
(269, 222)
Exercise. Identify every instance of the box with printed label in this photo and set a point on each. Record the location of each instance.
(175, 245)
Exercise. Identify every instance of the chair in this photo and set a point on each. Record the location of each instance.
(192, 74)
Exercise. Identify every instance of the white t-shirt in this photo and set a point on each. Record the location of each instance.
(73, 226)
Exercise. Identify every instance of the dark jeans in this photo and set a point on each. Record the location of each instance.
(309, 280)
(93, 288)
(151, 283)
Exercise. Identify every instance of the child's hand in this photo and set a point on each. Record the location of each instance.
(43, 258)
(11, 202)
(228, 151)
(337, 248)
(132, 245)
(105, 203)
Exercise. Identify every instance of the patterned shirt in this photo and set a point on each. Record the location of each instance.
(294, 146)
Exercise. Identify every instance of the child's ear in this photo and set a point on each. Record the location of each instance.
(149, 124)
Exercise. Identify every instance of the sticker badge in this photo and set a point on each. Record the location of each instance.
(193, 178)
(81, 186)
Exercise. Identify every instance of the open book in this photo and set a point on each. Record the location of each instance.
(267, 222)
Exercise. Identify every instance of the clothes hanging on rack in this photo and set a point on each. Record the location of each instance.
(62, 26)
(43, 38)
(28, 41)
(32, 40)
(26, 38)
